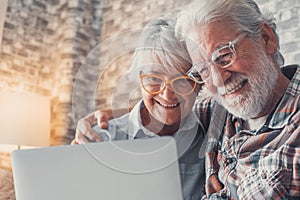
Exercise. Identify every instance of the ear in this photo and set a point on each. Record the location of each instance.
(269, 39)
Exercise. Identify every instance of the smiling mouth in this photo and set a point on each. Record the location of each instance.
(232, 90)
(174, 105)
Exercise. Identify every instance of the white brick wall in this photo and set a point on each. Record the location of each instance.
(33, 50)
(120, 15)
(287, 14)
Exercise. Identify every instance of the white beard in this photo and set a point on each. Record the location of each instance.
(261, 82)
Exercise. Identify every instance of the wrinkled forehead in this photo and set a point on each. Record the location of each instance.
(196, 50)
(196, 47)
(204, 39)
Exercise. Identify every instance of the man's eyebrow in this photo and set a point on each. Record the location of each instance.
(222, 45)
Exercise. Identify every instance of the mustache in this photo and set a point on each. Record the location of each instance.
(231, 84)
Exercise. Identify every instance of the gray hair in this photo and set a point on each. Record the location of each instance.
(245, 15)
(158, 44)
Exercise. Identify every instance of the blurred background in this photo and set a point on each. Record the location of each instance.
(74, 54)
(62, 59)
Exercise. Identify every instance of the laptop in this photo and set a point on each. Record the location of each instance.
(119, 170)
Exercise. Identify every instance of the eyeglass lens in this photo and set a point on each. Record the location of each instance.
(224, 56)
(221, 58)
(155, 84)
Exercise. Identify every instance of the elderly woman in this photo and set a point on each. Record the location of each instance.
(159, 65)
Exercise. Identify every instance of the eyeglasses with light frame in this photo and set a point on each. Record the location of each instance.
(154, 84)
(223, 57)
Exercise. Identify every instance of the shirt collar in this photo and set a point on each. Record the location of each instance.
(135, 122)
(288, 104)
(189, 122)
(135, 125)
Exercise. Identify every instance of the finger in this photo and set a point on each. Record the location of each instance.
(91, 118)
(102, 124)
(74, 142)
(90, 134)
(81, 139)
(102, 120)
(84, 132)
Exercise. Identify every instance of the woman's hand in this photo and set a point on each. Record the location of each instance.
(84, 131)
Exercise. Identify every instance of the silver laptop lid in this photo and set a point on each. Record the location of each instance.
(127, 170)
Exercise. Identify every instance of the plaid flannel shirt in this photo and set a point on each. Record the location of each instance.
(256, 164)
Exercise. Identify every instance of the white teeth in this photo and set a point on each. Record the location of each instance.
(236, 83)
(169, 105)
(234, 89)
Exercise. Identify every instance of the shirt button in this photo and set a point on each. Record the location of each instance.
(263, 175)
(224, 195)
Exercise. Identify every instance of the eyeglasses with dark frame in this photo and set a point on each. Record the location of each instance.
(223, 57)
(154, 84)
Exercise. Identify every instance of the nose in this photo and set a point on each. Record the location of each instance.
(219, 76)
(168, 92)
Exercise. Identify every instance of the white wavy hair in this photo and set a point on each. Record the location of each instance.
(245, 15)
(158, 44)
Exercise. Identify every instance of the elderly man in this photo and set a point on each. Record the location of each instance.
(235, 50)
